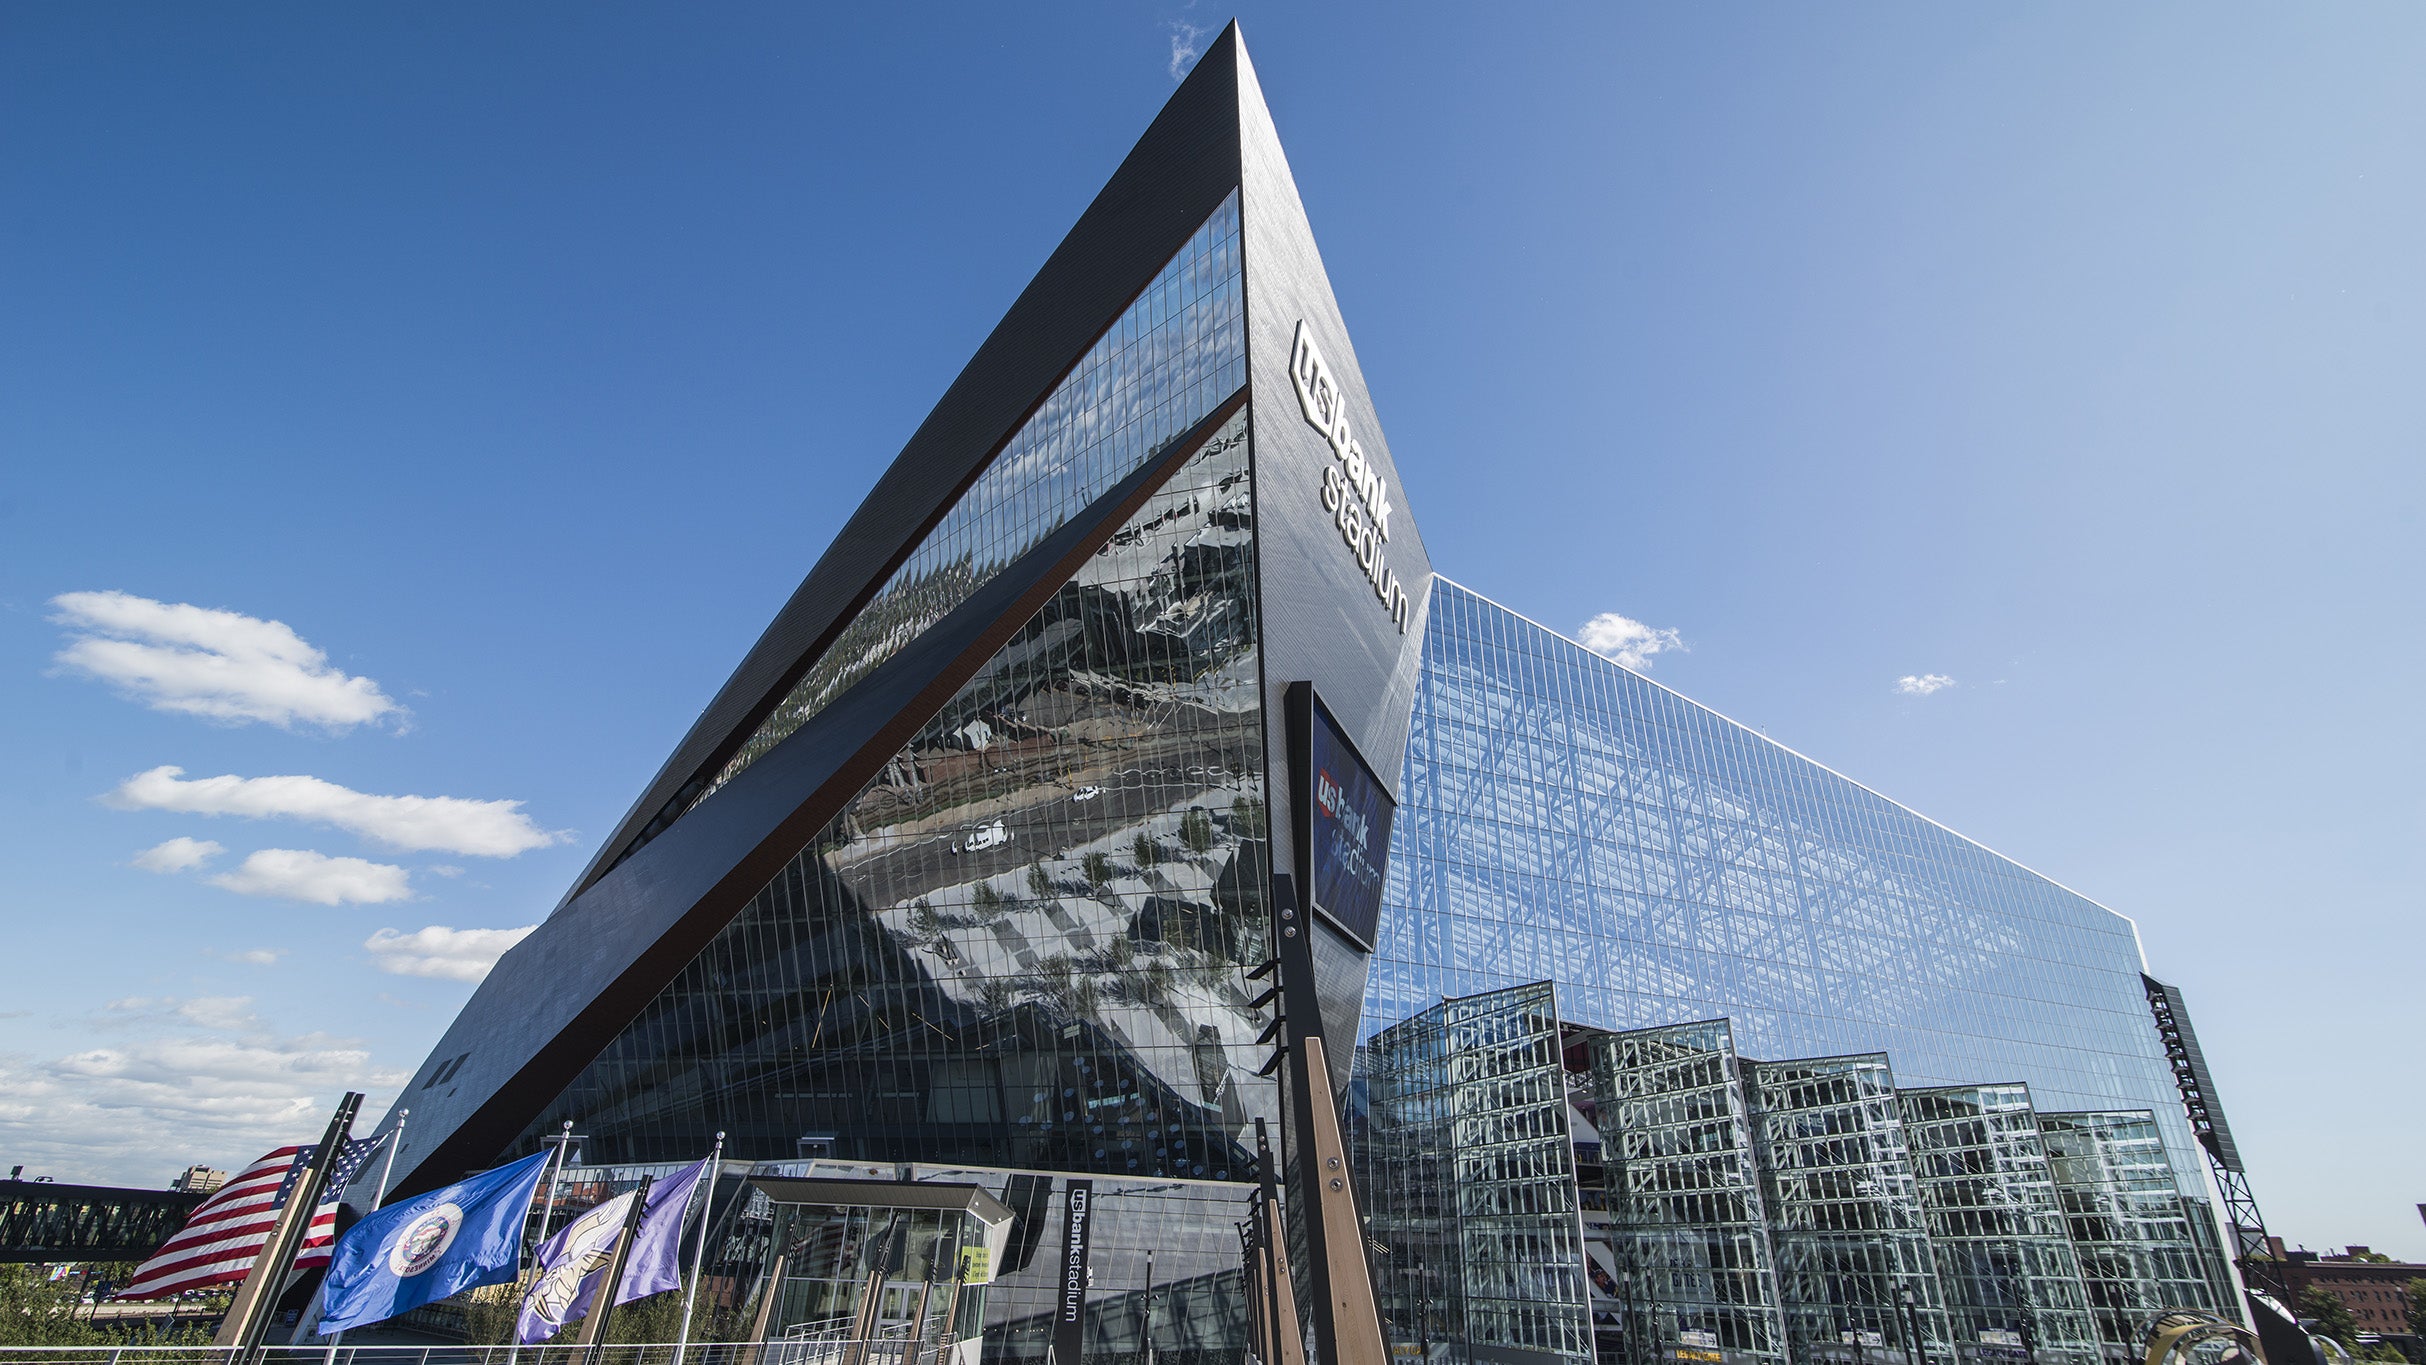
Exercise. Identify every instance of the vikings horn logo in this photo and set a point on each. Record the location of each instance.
(589, 1243)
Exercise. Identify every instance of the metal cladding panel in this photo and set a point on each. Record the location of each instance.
(1176, 175)
(1323, 621)
(562, 994)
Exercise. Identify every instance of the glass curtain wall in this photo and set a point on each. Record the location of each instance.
(2003, 1255)
(1172, 357)
(1563, 818)
(1853, 1255)
(2129, 1227)
(1020, 944)
(1688, 1218)
(1468, 1164)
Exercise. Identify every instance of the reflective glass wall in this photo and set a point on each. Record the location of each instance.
(2003, 1255)
(1853, 1258)
(1466, 1170)
(1565, 819)
(1172, 357)
(1021, 944)
(2135, 1236)
(1687, 1216)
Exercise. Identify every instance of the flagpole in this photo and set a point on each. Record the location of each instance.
(248, 1316)
(602, 1302)
(699, 1256)
(563, 1142)
(387, 1167)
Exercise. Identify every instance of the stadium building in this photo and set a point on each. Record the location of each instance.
(1123, 815)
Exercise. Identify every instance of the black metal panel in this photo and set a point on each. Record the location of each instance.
(1176, 175)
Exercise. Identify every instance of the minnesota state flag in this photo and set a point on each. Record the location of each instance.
(430, 1247)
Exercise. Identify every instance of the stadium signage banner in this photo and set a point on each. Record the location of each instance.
(1077, 1232)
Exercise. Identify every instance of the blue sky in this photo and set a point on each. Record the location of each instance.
(520, 362)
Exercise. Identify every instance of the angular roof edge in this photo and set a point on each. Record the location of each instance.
(1175, 176)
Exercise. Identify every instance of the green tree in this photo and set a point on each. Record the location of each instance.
(2416, 1308)
(1196, 830)
(37, 1311)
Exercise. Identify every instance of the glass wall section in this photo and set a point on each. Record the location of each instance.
(1562, 818)
(2129, 1227)
(1176, 353)
(1020, 944)
(2004, 1259)
(1688, 1222)
(1853, 1255)
(1467, 1168)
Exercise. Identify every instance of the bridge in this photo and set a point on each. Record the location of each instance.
(42, 1221)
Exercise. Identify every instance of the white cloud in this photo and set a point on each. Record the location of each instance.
(257, 957)
(1922, 684)
(1626, 640)
(179, 854)
(299, 874)
(1187, 40)
(203, 661)
(175, 1081)
(450, 954)
(447, 824)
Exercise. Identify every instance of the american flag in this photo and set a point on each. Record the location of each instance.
(227, 1231)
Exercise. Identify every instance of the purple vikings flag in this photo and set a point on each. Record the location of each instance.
(572, 1263)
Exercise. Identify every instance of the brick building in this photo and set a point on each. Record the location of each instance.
(2375, 1291)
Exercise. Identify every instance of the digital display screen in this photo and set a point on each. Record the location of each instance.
(1350, 833)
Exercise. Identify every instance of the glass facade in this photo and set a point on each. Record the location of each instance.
(1688, 1224)
(2004, 1256)
(1176, 353)
(1853, 1258)
(1564, 819)
(1020, 944)
(2139, 1249)
(1467, 1169)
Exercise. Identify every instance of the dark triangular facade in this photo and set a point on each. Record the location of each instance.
(971, 858)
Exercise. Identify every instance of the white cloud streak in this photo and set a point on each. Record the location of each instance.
(1627, 641)
(1922, 684)
(180, 854)
(1187, 42)
(174, 1081)
(445, 824)
(221, 665)
(438, 951)
(298, 874)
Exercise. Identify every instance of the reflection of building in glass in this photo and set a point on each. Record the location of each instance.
(1014, 859)
(2004, 1256)
(1844, 1210)
(1744, 1211)
(2139, 1249)
(1565, 819)
(1471, 1174)
(1685, 1222)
